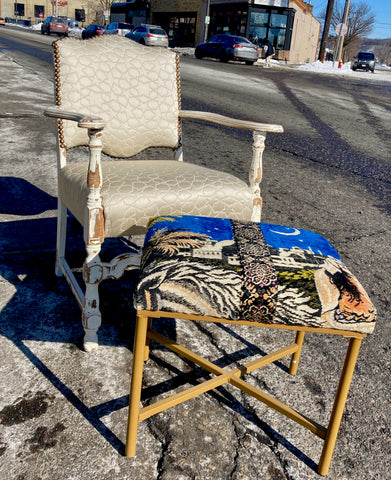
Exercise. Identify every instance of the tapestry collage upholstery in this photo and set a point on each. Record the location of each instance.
(257, 272)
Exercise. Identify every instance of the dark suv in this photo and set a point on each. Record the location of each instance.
(364, 60)
(55, 25)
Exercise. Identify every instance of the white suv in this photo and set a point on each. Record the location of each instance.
(118, 28)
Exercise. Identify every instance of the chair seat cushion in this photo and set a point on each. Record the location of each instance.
(256, 272)
(135, 191)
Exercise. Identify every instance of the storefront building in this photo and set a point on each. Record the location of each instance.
(134, 12)
(288, 24)
(31, 12)
(183, 20)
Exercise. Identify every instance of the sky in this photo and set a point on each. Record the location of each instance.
(381, 9)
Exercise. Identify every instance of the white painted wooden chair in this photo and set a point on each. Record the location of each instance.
(120, 98)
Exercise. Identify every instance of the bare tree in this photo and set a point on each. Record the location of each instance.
(383, 52)
(96, 8)
(360, 23)
(105, 4)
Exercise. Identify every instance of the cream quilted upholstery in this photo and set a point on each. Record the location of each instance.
(133, 88)
(130, 195)
(135, 92)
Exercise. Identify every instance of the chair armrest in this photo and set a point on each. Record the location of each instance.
(231, 122)
(93, 213)
(259, 134)
(83, 121)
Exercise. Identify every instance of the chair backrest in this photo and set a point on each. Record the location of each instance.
(134, 89)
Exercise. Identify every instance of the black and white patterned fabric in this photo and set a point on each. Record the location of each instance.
(249, 271)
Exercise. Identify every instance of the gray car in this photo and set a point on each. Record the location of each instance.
(228, 47)
(365, 61)
(149, 35)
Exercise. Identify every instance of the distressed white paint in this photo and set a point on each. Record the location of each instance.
(255, 174)
(94, 270)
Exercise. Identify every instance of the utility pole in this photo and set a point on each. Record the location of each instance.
(207, 20)
(326, 28)
(341, 38)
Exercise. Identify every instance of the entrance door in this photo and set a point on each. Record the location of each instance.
(179, 27)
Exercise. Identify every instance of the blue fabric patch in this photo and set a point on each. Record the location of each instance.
(287, 237)
(219, 229)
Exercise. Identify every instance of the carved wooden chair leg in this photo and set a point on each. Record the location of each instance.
(93, 237)
(61, 236)
(94, 272)
(91, 315)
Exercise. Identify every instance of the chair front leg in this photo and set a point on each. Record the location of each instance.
(91, 315)
(93, 237)
(61, 236)
(93, 274)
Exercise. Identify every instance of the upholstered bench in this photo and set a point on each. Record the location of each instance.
(229, 271)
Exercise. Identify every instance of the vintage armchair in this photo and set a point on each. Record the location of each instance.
(121, 98)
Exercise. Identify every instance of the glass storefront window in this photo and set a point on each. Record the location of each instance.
(181, 31)
(256, 23)
(232, 22)
(259, 18)
(257, 34)
(270, 24)
(277, 20)
(277, 37)
(39, 11)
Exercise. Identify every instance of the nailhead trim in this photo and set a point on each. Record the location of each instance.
(57, 77)
(178, 83)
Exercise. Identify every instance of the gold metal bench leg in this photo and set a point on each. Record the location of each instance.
(296, 356)
(137, 378)
(147, 342)
(339, 405)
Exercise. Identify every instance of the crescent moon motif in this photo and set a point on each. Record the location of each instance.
(295, 232)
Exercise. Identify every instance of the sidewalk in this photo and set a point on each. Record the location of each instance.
(63, 412)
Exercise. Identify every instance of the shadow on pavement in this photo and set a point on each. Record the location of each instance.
(43, 309)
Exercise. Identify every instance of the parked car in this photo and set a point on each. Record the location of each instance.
(149, 35)
(228, 47)
(55, 25)
(92, 31)
(72, 23)
(118, 28)
(2, 21)
(365, 61)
